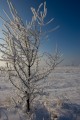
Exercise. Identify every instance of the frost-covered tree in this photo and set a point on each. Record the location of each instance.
(20, 48)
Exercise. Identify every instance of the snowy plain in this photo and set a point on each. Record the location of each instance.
(61, 93)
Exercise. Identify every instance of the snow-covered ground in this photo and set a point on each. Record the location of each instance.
(61, 91)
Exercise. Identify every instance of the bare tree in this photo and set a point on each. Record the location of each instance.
(20, 48)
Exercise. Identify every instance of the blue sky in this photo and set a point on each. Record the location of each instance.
(66, 13)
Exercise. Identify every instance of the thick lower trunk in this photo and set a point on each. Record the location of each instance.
(28, 105)
(28, 96)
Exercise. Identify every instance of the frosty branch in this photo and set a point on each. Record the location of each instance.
(20, 48)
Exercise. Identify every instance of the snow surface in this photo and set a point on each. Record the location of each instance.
(61, 94)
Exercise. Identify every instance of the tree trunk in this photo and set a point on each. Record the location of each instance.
(28, 105)
(28, 96)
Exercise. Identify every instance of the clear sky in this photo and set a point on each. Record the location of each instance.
(66, 13)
